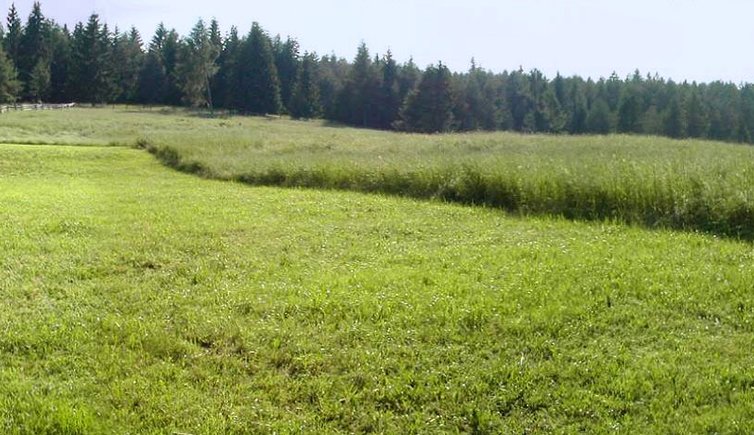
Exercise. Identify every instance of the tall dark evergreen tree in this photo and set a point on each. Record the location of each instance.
(13, 34)
(521, 101)
(430, 108)
(197, 66)
(287, 63)
(579, 112)
(332, 72)
(696, 116)
(128, 58)
(305, 97)
(92, 77)
(629, 112)
(225, 81)
(389, 99)
(357, 101)
(675, 119)
(60, 64)
(152, 80)
(258, 86)
(599, 119)
(9, 84)
(35, 55)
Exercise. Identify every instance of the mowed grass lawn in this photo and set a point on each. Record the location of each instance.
(136, 299)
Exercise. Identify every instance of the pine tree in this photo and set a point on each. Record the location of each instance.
(258, 85)
(408, 77)
(171, 47)
(521, 102)
(430, 108)
(60, 64)
(746, 111)
(471, 99)
(696, 116)
(332, 72)
(599, 118)
(215, 38)
(152, 80)
(34, 55)
(287, 63)
(128, 59)
(389, 99)
(166, 44)
(305, 97)
(9, 84)
(92, 77)
(577, 124)
(225, 81)
(675, 119)
(197, 66)
(12, 40)
(629, 112)
(357, 101)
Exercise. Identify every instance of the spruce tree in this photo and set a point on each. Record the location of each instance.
(629, 112)
(152, 80)
(305, 97)
(14, 31)
(287, 63)
(357, 101)
(408, 77)
(332, 72)
(197, 66)
(696, 116)
(577, 123)
(9, 84)
(169, 52)
(34, 55)
(92, 77)
(389, 99)
(128, 58)
(520, 100)
(258, 85)
(599, 118)
(225, 81)
(675, 119)
(429, 109)
(60, 64)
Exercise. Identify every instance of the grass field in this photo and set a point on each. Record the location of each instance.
(137, 299)
(650, 181)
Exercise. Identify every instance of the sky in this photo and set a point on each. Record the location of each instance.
(694, 40)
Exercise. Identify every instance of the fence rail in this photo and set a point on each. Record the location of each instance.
(24, 107)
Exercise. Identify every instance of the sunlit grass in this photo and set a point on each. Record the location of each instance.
(649, 181)
(136, 300)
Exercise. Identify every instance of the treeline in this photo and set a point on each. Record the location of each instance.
(257, 74)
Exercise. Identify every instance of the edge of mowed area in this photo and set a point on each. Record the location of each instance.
(648, 181)
(653, 182)
(137, 299)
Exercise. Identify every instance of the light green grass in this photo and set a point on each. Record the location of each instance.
(139, 300)
(649, 181)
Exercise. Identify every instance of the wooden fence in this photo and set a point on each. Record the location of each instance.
(24, 107)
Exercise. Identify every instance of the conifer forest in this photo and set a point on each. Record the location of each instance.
(252, 72)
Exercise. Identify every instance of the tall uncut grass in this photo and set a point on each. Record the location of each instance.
(648, 181)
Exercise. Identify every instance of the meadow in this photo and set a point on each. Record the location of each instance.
(648, 181)
(138, 299)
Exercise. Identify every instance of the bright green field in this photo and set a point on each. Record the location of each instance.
(136, 299)
(648, 181)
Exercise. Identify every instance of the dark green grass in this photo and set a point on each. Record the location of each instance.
(139, 300)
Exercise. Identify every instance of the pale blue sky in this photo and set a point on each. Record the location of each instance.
(701, 40)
